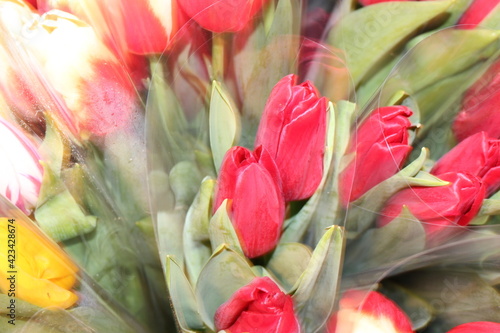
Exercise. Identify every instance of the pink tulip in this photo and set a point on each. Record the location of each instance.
(293, 130)
(250, 180)
(21, 170)
(259, 307)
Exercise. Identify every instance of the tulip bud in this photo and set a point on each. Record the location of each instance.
(439, 207)
(21, 171)
(293, 130)
(363, 312)
(479, 107)
(477, 327)
(477, 155)
(259, 307)
(44, 273)
(250, 180)
(380, 147)
(478, 10)
(222, 15)
(96, 91)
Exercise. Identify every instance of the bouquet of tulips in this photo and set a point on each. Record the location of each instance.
(250, 166)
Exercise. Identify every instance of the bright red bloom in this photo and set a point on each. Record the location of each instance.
(477, 327)
(439, 207)
(478, 10)
(478, 155)
(480, 107)
(250, 180)
(380, 147)
(361, 311)
(222, 15)
(259, 307)
(293, 130)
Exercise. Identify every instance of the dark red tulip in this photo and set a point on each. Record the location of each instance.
(250, 180)
(378, 148)
(479, 107)
(222, 15)
(293, 130)
(439, 207)
(259, 307)
(477, 327)
(361, 311)
(478, 10)
(478, 155)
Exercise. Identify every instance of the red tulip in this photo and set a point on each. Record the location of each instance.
(250, 180)
(439, 207)
(222, 15)
(380, 147)
(477, 327)
(368, 312)
(478, 10)
(478, 155)
(293, 130)
(259, 307)
(479, 107)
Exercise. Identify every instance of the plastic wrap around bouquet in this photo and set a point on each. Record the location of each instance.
(250, 166)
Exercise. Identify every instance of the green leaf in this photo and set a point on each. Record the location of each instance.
(170, 226)
(402, 237)
(288, 262)
(197, 251)
(418, 311)
(184, 179)
(224, 123)
(61, 217)
(316, 291)
(225, 273)
(436, 58)
(183, 298)
(221, 230)
(455, 296)
(380, 28)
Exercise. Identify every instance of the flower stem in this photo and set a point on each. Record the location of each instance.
(218, 56)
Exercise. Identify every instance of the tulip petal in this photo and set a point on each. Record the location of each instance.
(258, 211)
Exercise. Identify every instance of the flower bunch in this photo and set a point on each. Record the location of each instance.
(249, 166)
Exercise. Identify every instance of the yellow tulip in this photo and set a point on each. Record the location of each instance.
(33, 268)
